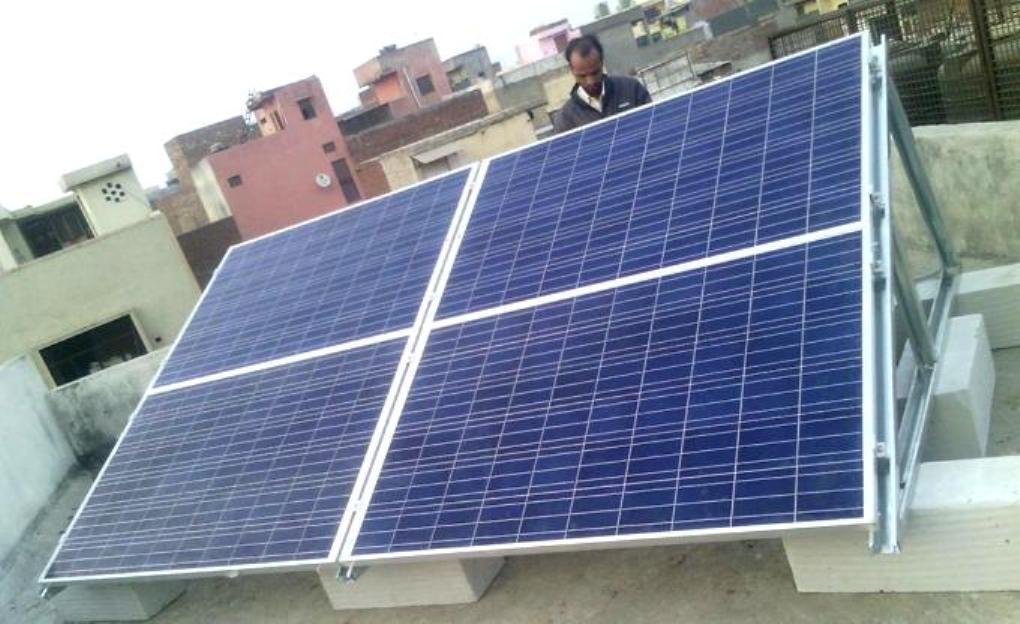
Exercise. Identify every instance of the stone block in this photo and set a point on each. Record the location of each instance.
(963, 534)
(411, 584)
(134, 602)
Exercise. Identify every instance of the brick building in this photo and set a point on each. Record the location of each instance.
(297, 166)
(179, 200)
(397, 83)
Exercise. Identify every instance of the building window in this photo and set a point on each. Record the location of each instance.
(809, 7)
(307, 109)
(277, 120)
(346, 180)
(640, 32)
(329, 148)
(658, 24)
(93, 350)
(234, 181)
(55, 230)
(425, 85)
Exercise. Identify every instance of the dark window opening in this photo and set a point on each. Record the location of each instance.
(425, 85)
(55, 230)
(329, 148)
(346, 180)
(93, 350)
(277, 120)
(234, 181)
(307, 108)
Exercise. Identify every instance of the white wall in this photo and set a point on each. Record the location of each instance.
(34, 455)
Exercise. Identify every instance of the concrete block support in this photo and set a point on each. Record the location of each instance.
(995, 294)
(962, 405)
(958, 428)
(963, 534)
(116, 603)
(411, 584)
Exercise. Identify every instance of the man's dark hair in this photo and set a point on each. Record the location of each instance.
(583, 45)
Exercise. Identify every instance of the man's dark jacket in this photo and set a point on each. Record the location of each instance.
(620, 94)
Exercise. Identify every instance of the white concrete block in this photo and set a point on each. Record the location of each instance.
(995, 294)
(411, 584)
(135, 602)
(963, 534)
(962, 406)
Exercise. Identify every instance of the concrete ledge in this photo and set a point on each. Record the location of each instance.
(411, 584)
(116, 603)
(963, 535)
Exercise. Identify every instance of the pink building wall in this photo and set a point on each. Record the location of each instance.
(546, 41)
(277, 185)
(391, 78)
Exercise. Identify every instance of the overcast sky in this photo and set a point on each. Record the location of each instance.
(86, 80)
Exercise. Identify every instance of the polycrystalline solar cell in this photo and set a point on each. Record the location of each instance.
(252, 469)
(716, 398)
(355, 273)
(765, 156)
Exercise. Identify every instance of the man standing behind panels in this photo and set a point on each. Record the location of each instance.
(596, 95)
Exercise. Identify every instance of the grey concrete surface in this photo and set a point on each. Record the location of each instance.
(94, 410)
(34, 455)
(727, 582)
(973, 172)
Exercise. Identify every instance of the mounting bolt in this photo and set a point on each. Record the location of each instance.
(875, 69)
(877, 206)
(348, 574)
(878, 272)
(882, 456)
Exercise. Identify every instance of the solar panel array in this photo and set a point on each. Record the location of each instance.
(252, 469)
(700, 394)
(647, 327)
(351, 274)
(721, 397)
(769, 155)
(255, 466)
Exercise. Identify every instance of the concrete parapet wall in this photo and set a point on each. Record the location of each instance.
(973, 172)
(94, 410)
(34, 455)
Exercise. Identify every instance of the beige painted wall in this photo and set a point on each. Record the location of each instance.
(557, 86)
(138, 269)
(106, 215)
(508, 134)
(209, 191)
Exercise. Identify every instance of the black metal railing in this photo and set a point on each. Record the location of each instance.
(952, 61)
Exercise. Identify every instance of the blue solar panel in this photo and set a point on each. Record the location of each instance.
(767, 155)
(355, 273)
(249, 470)
(714, 398)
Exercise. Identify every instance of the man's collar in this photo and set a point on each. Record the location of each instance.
(589, 100)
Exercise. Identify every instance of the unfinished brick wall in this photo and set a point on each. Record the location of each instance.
(183, 210)
(186, 150)
(444, 116)
(205, 247)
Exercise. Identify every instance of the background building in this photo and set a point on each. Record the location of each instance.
(470, 68)
(93, 279)
(297, 166)
(396, 83)
(545, 41)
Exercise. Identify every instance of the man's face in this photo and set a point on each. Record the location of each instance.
(588, 72)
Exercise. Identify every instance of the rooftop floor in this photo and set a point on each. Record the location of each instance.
(746, 581)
